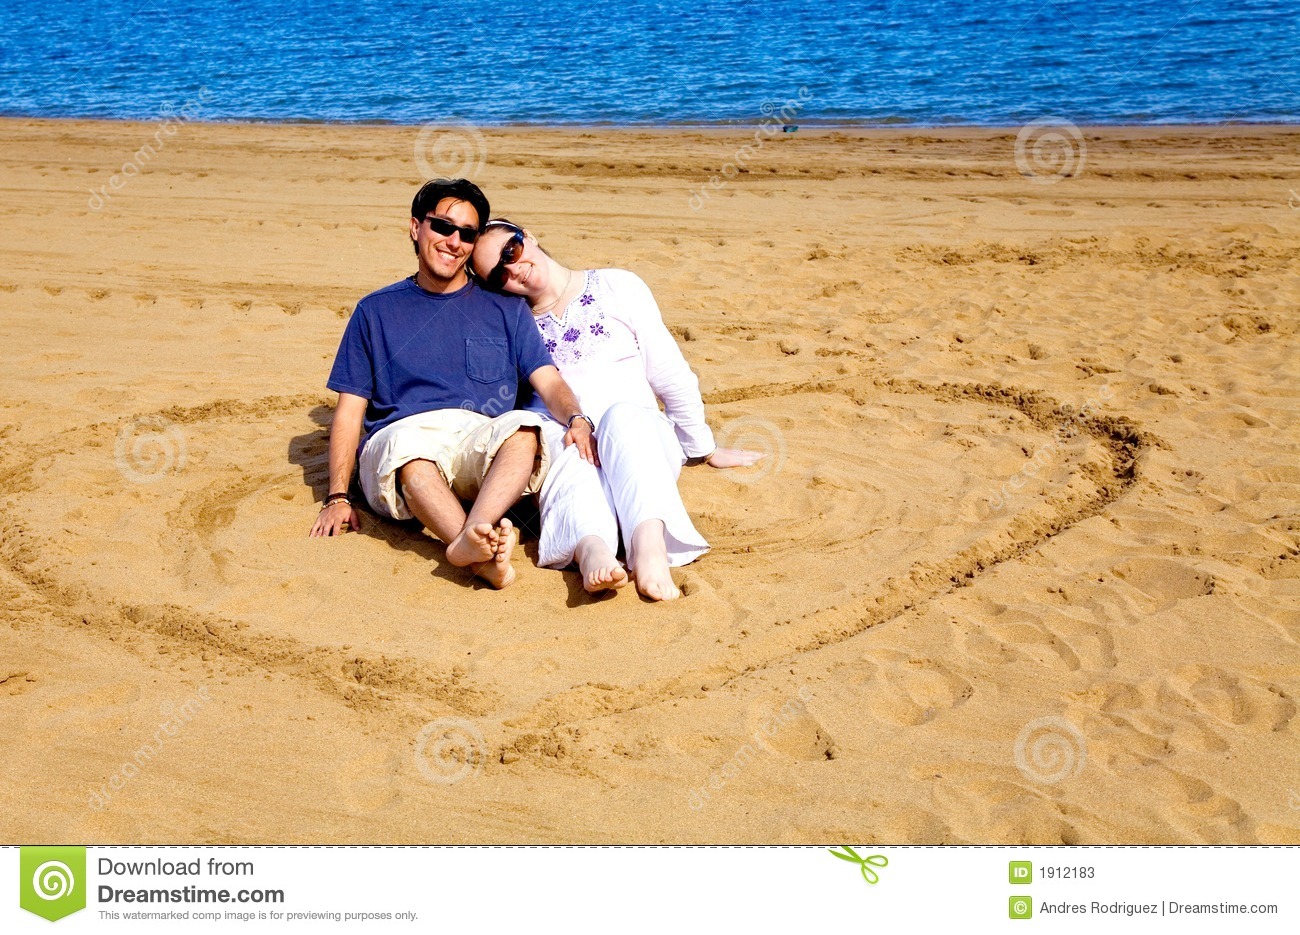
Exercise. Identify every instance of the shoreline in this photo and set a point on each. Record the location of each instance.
(722, 127)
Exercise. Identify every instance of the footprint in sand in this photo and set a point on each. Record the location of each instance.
(1196, 810)
(996, 810)
(1236, 701)
(1164, 581)
(907, 690)
(1144, 723)
(1051, 636)
(367, 780)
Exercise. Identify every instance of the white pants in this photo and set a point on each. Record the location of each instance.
(640, 460)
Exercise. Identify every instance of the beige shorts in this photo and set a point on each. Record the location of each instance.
(460, 442)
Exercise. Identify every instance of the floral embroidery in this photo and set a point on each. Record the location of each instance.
(580, 332)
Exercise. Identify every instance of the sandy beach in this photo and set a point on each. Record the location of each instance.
(1022, 563)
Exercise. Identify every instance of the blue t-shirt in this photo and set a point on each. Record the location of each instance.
(409, 351)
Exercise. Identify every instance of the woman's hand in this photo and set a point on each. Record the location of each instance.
(336, 519)
(733, 457)
(579, 434)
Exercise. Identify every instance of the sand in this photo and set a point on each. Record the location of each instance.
(1022, 564)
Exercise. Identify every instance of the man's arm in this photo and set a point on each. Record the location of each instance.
(564, 406)
(345, 432)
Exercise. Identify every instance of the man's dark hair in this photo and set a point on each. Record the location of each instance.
(434, 191)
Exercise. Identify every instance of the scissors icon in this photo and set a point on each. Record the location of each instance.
(875, 860)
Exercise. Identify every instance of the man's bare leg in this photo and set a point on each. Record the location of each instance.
(481, 541)
(650, 569)
(600, 569)
(433, 503)
(501, 489)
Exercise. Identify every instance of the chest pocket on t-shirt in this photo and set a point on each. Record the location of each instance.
(487, 359)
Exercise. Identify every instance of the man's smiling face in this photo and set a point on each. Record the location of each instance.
(442, 257)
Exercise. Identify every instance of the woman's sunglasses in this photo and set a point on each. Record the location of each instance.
(445, 228)
(510, 253)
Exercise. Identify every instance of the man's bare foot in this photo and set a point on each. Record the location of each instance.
(498, 574)
(498, 571)
(477, 543)
(650, 569)
(507, 537)
(601, 571)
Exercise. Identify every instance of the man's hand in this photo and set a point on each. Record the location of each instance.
(345, 432)
(733, 457)
(562, 402)
(336, 519)
(580, 434)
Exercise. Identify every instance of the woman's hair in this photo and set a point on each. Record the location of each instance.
(519, 227)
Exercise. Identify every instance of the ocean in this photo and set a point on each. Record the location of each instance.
(638, 63)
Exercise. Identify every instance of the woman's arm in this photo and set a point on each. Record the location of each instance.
(667, 371)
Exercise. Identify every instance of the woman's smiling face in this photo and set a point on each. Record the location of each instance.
(525, 276)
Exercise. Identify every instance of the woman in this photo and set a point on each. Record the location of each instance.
(607, 338)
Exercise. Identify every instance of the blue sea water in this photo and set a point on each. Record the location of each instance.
(636, 62)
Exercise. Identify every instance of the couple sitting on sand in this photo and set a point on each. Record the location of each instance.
(428, 371)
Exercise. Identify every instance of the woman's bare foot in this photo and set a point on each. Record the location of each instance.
(498, 571)
(477, 543)
(601, 571)
(650, 569)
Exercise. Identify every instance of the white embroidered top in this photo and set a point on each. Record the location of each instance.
(610, 345)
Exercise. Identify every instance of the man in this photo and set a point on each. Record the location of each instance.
(427, 373)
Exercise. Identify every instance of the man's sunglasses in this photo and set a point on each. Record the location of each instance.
(510, 253)
(445, 228)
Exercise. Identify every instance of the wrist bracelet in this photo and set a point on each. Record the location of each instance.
(335, 498)
(584, 418)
